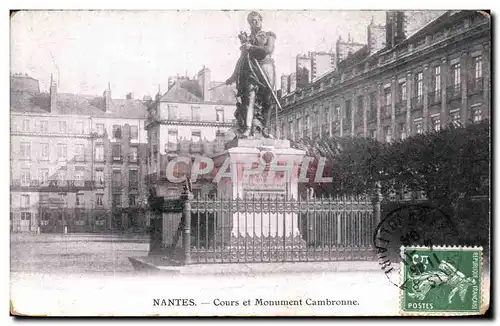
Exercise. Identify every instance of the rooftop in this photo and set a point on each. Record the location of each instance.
(23, 101)
(189, 91)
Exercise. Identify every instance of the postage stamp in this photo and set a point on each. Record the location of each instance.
(441, 280)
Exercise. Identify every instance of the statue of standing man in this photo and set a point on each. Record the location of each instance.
(255, 78)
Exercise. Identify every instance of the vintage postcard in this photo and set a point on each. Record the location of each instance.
(250, 162)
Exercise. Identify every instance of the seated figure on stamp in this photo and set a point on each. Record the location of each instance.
(255, 77)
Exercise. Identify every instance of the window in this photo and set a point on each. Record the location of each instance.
(117, 178)
(299, 127)
(172, 140)
(133, 154)
(133, 177)
(44, 176)
(79, 151)
(373, 100)
(99, 128)
(402, 130)
(79, 175)
(219, 115)
(388, 97)
(402, 92)
(196, 136)
(99, 199)
(132, 200)
(172, 112)
(419, 84)
(79, 127)
(99, 177)
(477, 115)
(79, 200)
(25, 151)
(25, 201)
(26, 125)
(45, 151)
(117, 131)
(116, 150)
(437, 78)
(99, 152)
(455, 117)
(195, 113)
(373, 133)
(25, 216)
(61, 175)
(117, 200)
(478, 67)
(308, 123)
(44, 126)
(283, 130)
(348, 109)
(62, 127)
(436, 124)
(62, 151)
(455, 74)
(134, 132)
(419, 128)
(388, 134)
(315, 123)
(25, 177)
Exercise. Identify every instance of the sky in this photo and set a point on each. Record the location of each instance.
(135, 51)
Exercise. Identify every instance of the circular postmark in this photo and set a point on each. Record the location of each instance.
(408, 225)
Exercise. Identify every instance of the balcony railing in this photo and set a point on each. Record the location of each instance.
(117, 158)
(117, 186)
(133, 184)
(475, 86)
(435, 97)
(454, 92)
(417, 102)
(49, 185)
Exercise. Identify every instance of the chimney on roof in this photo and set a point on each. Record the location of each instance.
(204, 82)
(395, 28)
(107, 99)
(130, 96)
(53, 95)
(171, 82)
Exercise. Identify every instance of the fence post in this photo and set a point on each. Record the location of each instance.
(376, 199)
(187, 196)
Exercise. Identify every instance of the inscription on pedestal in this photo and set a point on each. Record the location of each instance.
(265, 186)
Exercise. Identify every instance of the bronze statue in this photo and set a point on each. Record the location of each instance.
(255, 78)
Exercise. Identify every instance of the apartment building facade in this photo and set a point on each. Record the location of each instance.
(438, 75)
(192, 118)
(77, 161)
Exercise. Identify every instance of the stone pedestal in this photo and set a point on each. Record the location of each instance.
(258, 172)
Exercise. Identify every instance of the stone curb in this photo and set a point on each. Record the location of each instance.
(150, 264)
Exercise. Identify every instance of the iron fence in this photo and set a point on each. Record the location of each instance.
(257, 229)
